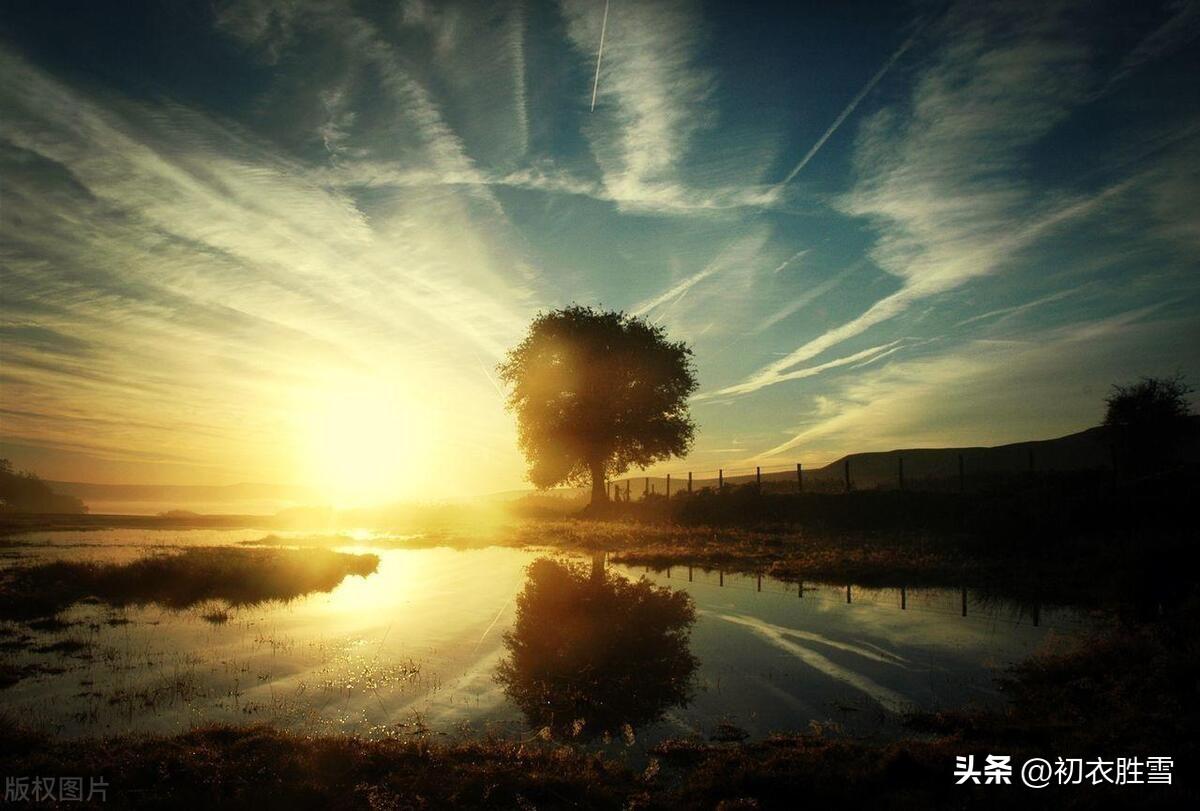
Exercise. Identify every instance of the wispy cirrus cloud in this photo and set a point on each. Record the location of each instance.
(193, 263)
(1181, 27)
(654, 98)
(371, 197)
(652, 90)
(1017, 309)
(849, 109)
(729, 277)
(941, 179)
(978, 393)
(808, 296)
(854, 359)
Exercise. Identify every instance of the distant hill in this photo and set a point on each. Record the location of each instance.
(153, 498)
(23, 492)
(923, 467)
(182, 493)
(1085, 450)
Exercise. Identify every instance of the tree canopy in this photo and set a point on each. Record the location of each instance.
(1146, 420)
(597, 392)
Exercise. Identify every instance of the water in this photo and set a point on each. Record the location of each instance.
(594, 653)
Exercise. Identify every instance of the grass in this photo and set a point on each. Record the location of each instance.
(218, 616)
(263, 767)
(1136, 568)
(1123, 574)
(180, 580)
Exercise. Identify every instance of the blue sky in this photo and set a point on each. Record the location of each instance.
(290, 241)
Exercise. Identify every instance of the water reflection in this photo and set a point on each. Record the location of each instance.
(415, 646)
(592, 653)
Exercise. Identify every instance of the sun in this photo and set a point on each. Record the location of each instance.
(368, 443)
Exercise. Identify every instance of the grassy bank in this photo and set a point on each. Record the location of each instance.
(1132, 693)
(177, 580)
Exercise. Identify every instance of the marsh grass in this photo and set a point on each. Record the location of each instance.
(217, 616)
(1127, 571)
(239, 577)
(263, 767)
(1132, 573)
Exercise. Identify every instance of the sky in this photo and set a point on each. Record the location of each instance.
(289, 242)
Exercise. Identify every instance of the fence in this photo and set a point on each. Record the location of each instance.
(927, 470)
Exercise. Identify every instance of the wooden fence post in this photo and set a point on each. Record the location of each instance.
(689, 481)
(668, 485)
(758, 479)
(647, 487)
(720, 480)
(903, 598)
(799, 479)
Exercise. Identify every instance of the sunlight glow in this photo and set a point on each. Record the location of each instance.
(368, 443)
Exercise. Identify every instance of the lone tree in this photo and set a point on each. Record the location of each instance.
(1146, 421)
(595, 393)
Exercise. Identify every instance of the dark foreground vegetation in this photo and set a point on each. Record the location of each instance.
(1034, 506)
(1132, 693)
(179, 580)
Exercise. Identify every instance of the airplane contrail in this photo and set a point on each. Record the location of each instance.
(854, 102)
(599, 56)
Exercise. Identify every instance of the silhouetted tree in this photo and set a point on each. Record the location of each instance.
(24, 492)
(592, 653)
(1146, 422)
(595, 393)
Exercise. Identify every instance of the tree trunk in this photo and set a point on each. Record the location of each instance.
(599, 485)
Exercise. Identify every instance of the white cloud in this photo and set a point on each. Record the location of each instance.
(989, 391)
(202, 273)
(1180, 28)
(651, 88)
(941, 179)
(720, 290)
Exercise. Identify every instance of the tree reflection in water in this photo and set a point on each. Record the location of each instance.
(593, 654)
